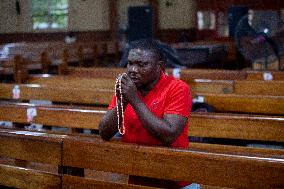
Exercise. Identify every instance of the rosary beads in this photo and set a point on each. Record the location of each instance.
(121, 128)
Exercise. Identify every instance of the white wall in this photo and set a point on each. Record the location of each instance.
(88, 15)
(10, 21)
(85, 15)
(180, 15)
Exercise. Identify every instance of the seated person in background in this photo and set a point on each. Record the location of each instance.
(156, 106)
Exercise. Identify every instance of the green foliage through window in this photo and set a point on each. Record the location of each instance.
(50, 14)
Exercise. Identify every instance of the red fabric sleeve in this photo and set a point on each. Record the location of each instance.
(112, 104)
(179, 100)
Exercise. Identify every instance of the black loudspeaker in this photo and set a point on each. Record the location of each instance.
(140, 22)
(235, 13)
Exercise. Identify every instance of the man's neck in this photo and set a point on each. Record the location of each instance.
(146, 89)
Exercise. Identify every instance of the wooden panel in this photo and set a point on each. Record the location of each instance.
(72, 182)
(186, 74)
(27, 178)
(74, 82)
(258, 75)
(232, 126)
(211, 86)
(31, 146)
(210, 74)
(238, 150)
(110, 73)
(62, 116)
(245, 103)
(221, 169)
(275, 88)
(197, 85)
(66, 95)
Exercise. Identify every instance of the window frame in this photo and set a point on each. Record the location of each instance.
(49, 18)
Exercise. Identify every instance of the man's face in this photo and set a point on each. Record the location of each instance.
(143, 67)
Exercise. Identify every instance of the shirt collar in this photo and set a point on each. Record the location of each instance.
(161, 80)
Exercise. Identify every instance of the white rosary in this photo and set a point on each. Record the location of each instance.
(121, 129)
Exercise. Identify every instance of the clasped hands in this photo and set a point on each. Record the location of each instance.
(128, 89)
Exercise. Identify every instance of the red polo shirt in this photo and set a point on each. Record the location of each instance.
(168, 96)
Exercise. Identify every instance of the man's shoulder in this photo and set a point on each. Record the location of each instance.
(176, 83)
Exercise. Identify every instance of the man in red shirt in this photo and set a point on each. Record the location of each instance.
(156, 106)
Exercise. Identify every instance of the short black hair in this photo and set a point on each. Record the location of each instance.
(149, 44)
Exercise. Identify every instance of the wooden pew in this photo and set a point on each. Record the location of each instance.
(75, 82)
(222, 102)
(244, 103)
(212, 125)
(46, 54)
(197, 85)
(210, 74)
(275, 87)
(237, 126)
(58, 94)
(27, 146)
(82, 117)
(226, 170)
(35, 57)
(93, 153)
(242, 91)
(44, 113)
(97, 72)
(258, 75)
(245, 87)
(185, 74)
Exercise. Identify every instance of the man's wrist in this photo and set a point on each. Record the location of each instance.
(135, 101)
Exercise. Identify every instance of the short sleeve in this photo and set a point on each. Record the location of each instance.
(112, 104)
(179, 100)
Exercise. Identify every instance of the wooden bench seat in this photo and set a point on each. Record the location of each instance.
(97, 72)
(222, 83)
(185, 74)
(264, 171)
(215, 169)
(257, 104)
(58, 94)
(53, 115)
(222, 102)
(197, 85)
(258, 75)
(212, 125)
(29, 147)
(245, 171)
(75, 82)
(275, 88)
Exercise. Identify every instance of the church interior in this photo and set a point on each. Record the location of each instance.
(60, 61)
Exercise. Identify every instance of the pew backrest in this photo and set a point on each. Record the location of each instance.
(174, 164)
(30, 147)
